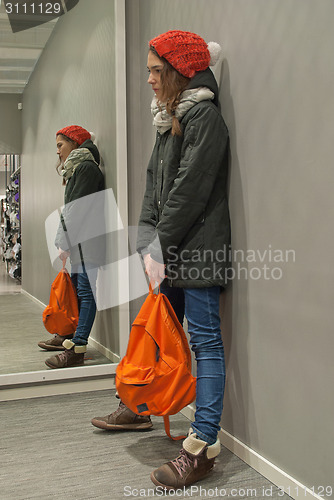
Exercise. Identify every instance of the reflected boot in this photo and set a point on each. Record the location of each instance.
(123, 419)
(73, 355)
(195, 461)
(54, 344)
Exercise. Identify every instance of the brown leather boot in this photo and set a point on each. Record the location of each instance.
(54, 344)
(73, 355)
(195, 461)
(123, 419)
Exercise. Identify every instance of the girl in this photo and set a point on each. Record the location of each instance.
(79, 159)
(184, 232)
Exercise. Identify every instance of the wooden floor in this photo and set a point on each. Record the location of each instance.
(50, 450)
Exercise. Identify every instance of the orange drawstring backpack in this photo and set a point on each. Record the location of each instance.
(62, 314)
(154, 377)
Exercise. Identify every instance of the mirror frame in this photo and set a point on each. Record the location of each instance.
(42, 378)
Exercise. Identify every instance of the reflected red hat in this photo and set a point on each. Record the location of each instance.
(76, 133)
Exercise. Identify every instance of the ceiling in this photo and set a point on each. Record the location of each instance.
(19, 53)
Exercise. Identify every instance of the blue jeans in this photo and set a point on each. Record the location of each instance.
(86, 290)
(201, 308)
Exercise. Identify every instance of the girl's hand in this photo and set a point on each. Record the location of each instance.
(154, 270)
(63, 255)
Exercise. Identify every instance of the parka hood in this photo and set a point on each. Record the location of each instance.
(205, 79)
(92, 148)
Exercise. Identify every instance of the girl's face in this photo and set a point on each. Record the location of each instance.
(155, 67)
(63, 148)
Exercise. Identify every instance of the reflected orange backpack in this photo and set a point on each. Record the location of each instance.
(154, 377)
(62, 314)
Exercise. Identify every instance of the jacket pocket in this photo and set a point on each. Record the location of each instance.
(194, 239)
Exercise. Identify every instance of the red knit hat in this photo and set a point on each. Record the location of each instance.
(76, 133)
(187, 52)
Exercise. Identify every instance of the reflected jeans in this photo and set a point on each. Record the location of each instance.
(201, 308)
(86, 291)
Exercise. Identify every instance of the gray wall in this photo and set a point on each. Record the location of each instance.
(73, 83)
(10, 124)
(276, 89)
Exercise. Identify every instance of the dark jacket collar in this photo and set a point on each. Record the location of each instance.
(92, 148)
(205, 79)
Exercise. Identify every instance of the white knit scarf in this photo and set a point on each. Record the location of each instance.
(74, 159)
(163, 121)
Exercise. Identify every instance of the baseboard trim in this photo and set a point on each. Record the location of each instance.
(270, 471)
(114, 358)
(31, 297)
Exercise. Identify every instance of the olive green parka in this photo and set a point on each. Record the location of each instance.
(83, 213)
(184, 219)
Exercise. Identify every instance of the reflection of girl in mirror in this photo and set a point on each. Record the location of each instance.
(79, 161)
(185, 218)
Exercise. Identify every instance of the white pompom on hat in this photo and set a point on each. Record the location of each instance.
(215, 52)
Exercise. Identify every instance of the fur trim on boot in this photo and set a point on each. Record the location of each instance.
(193, 445)
(68, 344)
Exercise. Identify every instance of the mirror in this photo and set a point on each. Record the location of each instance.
(22, 314)
(73, 82)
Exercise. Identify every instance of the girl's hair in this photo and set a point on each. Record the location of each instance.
(172, 86)
(75, 146)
